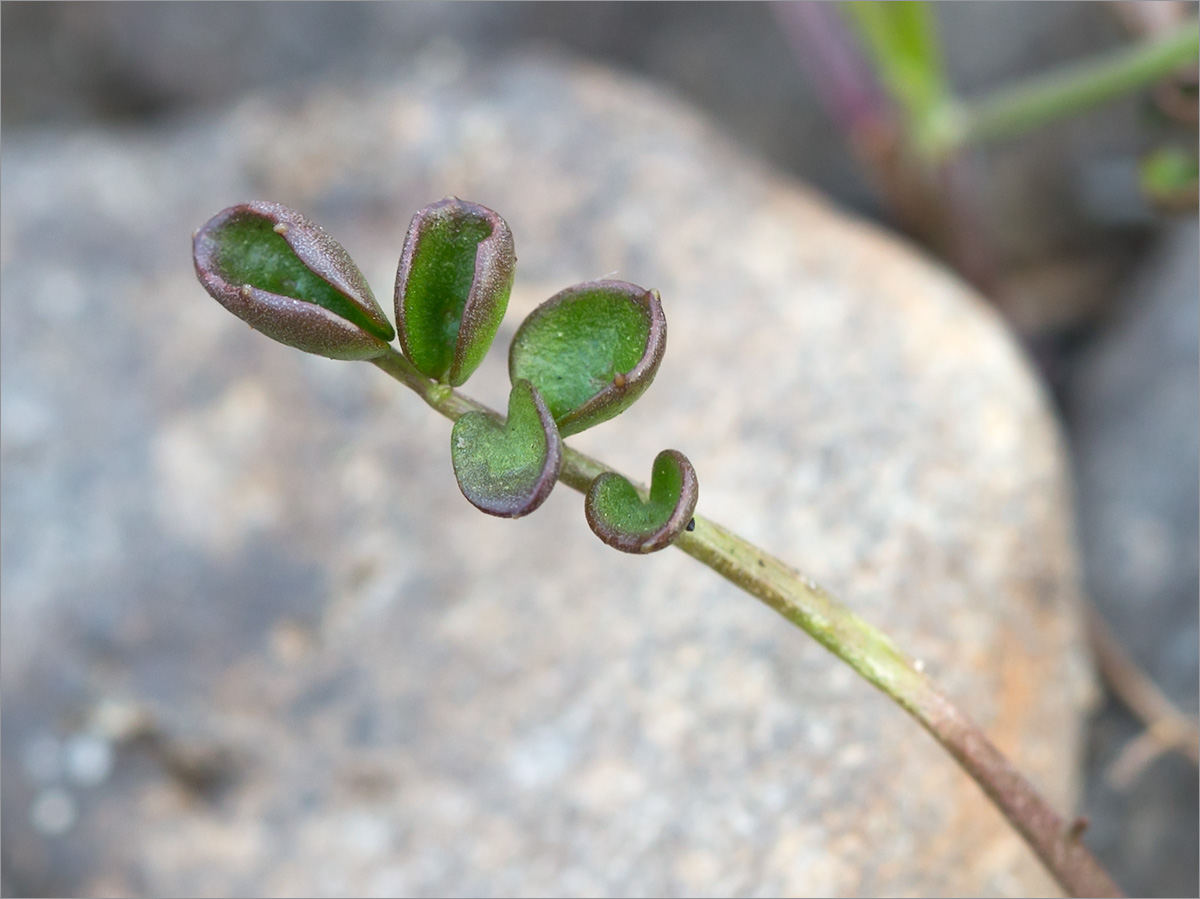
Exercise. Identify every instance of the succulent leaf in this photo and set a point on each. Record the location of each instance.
(508, 468)
(452, 287)
(284, 276)
(618, 516)
(591, 350)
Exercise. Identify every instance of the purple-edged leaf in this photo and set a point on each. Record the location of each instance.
(508, 468)
(619, 516)
(452, 287)
(591, 350)
(284, 276)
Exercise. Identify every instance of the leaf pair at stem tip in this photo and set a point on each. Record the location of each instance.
(284, 276)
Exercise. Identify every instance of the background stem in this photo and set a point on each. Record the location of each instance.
(865, 649)
(1023, 106)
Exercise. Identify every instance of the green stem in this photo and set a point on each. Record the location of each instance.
(858, 644)
(1013, 110)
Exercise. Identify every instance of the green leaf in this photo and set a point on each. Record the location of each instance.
(284, 276)
(591, 350)
(619, 516)
(901, 37)
(508, 468)
(452, 287)
(1169, 177)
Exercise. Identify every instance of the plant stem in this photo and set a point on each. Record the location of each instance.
(1028, 104)
(872, 655)
(854, 641)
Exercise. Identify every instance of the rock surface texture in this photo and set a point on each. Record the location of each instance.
(256, 642)
(1133, 413)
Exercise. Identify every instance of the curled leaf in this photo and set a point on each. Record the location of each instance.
(452, 287)
(591, 350)
(508, 468)
(284, 276)
(618, 516)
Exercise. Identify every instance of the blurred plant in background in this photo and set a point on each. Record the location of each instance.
(914, 134)
(880, 72)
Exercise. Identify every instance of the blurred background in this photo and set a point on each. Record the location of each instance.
(1082, 232)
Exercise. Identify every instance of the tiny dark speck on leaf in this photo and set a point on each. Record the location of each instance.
(761, 564)
(691, 525)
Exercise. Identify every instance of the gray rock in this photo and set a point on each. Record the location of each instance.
(1132, 409)
(299, 662)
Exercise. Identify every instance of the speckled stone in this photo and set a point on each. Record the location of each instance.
(248, 575)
